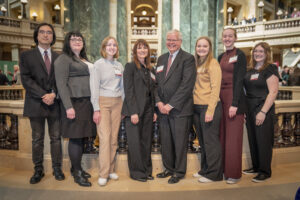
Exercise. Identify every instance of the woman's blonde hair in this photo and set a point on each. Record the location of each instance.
(204, 63)
(103, 45)
(268, 59)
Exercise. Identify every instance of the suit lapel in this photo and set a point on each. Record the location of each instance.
(40, 58)
(173, 65)
(53, 57)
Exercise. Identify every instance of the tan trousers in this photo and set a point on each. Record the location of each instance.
(108, 129)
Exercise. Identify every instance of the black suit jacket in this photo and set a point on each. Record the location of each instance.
(136, 90)
(239, 72)
(37, 83)
(177, 87)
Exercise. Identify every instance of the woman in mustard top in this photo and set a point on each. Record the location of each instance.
(208, 111)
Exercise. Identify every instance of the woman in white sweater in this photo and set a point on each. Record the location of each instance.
(106, 95)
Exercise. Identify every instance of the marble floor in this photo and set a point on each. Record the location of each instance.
(14, 184)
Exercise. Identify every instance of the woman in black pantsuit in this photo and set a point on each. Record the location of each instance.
(138, 109)
(261, 85)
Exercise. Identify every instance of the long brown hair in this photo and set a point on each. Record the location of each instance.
(138, 43)
(268, 59)
(205, 63)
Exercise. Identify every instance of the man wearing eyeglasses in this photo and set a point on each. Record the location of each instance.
(175, 76)
(37, 75)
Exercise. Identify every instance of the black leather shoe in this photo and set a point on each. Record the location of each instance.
(140, 179)
(249, 171)
(164, 174)
(80, 179)
(84, 173)
(37, 176)
(173, 179)
(58, 174)
(260, 178)
(150, 177)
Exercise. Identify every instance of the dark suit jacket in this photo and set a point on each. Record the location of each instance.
(239, 72)
(177, 88)
(136, 90)
(37, 83)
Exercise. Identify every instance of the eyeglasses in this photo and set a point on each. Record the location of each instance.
(45, 32)
(111, 45)
(76, 40)
(169, 40)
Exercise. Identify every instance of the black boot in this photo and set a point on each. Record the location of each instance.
(80, 179)
(84, 173)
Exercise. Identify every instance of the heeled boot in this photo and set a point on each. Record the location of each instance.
(80, 179)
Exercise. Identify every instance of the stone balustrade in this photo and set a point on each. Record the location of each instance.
(20, 32)
(144, 31)
(14, 92)
(289, 93)
(274, 32)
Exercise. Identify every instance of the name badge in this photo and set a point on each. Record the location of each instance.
(160, 69)
(152, 76)
(254, 77)
(233, 59)
(118, 72)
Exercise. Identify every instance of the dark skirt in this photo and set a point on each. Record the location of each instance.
(82, 125)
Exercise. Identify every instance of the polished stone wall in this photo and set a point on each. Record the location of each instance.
(166, 24)
(122, 31)
(91, 18)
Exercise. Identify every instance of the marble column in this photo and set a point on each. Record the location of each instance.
(113, 18)
(166, 23)
(197, 18)
(122, 31)
(14, 52)
(91, 18)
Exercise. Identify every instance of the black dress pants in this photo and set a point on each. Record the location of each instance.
(38, 134)
(174, 133)
(209, 140)
(261, 139)
(139, 138)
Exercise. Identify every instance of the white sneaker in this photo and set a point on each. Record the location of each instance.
(196, 175)
(113, 176)
(102, 181)
(204, 180)
(232, 180)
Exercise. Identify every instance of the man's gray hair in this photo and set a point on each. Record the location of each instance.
(179, 34)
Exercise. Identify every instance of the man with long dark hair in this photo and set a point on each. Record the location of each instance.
(37, 74)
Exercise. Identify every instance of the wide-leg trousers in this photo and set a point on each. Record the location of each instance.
(231, 137)
(261, 139)
(209, 140)
(108, 129)
(139, 138)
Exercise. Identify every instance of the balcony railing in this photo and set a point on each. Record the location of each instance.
(144, 31)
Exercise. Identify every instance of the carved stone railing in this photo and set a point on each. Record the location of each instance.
(289, 93)
(287, 123)
(20, 32)
(275, 32)
(144, 31)
(14, 92)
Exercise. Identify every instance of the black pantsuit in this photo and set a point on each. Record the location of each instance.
(139, 138)
(139, 99)
(208, 135)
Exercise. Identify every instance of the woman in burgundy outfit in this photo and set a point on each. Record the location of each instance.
(233, 64)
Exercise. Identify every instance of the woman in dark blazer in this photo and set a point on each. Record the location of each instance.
(233, 65)
(138, 109)
(72, 73)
